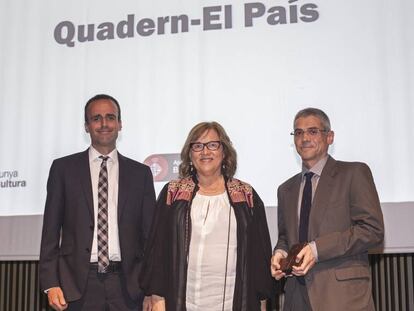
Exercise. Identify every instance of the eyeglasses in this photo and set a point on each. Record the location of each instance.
(312, 131)
(211, 145)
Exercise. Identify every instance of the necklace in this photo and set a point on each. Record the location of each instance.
(214, 188)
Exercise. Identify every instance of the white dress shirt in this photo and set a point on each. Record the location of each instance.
(113, 176)
(208, 251)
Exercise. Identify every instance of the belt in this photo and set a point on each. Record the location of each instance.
(114, 266)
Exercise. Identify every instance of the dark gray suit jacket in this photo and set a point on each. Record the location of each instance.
(345, 221)
(68, 223)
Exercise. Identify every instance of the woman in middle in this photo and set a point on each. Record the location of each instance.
(209, 246)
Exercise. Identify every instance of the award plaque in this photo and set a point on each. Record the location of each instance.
(287, 263)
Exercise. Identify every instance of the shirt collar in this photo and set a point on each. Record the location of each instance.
(95, 154)
(317, 168)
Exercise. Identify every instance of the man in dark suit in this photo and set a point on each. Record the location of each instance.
(97, 215)
(333, 207)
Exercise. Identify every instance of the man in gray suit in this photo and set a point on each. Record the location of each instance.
(332, 207)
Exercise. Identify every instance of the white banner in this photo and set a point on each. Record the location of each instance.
(171, 64)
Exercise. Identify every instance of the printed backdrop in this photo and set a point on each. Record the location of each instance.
(171, 64)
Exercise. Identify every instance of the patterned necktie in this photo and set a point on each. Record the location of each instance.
(103, 255)
(305, 208)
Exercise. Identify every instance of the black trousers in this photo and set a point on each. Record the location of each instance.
(106, 292)
(297, 299)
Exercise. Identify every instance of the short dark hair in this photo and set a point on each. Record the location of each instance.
(230, 156)
(316, 113)
(98, 97)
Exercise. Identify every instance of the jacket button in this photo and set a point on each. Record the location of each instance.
(91, 227)
(87, 250)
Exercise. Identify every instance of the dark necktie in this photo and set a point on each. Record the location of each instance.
(103, 255)
(305, 208)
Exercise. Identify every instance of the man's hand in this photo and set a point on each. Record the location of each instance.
(56, 299)
(275, 266)
(147, 304)
(263, 305)
(309, 261)
(158, 303)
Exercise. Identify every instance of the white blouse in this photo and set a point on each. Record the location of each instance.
(207, 254)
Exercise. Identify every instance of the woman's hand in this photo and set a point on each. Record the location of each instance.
(158, 303)
(147, 304)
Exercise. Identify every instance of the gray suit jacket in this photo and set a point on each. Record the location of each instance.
(68, 223)
(345, 221)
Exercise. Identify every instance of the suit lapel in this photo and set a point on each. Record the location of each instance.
(123, 183)
(322, 195)
(85, 177)
(292, 208)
